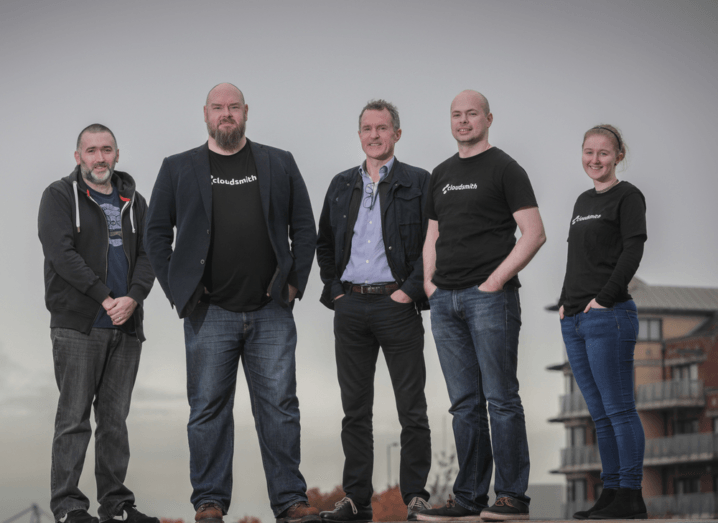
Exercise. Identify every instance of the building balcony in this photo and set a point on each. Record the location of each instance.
(688, 506)
(579, 459)
(684, 448)
(669, 394)
(571, 406)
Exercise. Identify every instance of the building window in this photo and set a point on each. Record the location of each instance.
(576, 490)
(575, 436)
(685, 372)
(685, 426)
(649, 329)
(686, 486)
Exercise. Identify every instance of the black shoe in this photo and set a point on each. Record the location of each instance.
(416, 505)
(603, 501)
(346, 510)
(80, 516)
(129, 514)
(448, 512)
(628, 504)
(506, 508)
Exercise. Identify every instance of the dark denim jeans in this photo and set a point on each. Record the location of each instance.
(363, 323)
(477, 336)
(100, 367)
(216, 339)
(600, 346)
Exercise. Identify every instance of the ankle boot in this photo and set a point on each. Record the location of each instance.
(628, 504)
(603, 501)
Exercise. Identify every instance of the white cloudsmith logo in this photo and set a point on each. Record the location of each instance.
(580, 218)
(234, 181)
(461, 187)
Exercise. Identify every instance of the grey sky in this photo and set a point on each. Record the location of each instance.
(551, 70)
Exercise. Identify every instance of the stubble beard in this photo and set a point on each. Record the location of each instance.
(90, 176)
(227, 140)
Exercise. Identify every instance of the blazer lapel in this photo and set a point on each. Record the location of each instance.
(200, 163)
(261, 161)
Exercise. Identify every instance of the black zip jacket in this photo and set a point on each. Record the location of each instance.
(74, 236)
(402, 197)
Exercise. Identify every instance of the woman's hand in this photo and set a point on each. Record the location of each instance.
(593, 304)
(560, 312)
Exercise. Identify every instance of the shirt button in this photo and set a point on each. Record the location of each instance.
(202, 261)
(367, 261)
(207, 231)
(369, 241)
(389, 247)
(370, 223)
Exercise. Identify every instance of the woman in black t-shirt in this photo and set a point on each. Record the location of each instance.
(599, 321)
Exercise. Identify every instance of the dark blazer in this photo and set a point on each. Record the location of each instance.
(182, 199)
(403, 223)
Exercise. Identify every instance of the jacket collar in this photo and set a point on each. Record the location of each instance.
(264, 173)
(200, 163)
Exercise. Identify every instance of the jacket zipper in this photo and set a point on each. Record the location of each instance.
(107, 245)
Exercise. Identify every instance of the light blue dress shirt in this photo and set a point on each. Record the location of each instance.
(367, 262)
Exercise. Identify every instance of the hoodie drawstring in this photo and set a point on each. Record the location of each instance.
(132, 219)
(77, 207)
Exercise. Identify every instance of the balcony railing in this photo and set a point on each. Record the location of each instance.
(580, 459)
(689, 506)
(674, 393)
(683, 448)
(571, 406)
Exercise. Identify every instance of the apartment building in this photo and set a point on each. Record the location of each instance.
(676, 379)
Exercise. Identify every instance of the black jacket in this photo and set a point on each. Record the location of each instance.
(74, 236)
(402, 196)
(182, 200)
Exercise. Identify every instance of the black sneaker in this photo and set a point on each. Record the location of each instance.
(448, 512)
(416, 505)
(80, 516)
(345, 511)
(129, 514)
(506, 508)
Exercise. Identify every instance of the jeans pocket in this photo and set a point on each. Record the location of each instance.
(492, 293)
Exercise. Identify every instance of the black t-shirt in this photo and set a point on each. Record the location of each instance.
(241, 260)
(117, 264)
(474, 199)
(605, 246)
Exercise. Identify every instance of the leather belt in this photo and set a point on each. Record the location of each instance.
(379, 288)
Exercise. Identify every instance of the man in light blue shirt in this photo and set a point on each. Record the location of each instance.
(371, 233)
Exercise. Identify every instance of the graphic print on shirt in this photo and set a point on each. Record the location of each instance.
(580, 218)
(114, 223)
(233, 181)
(464, 186)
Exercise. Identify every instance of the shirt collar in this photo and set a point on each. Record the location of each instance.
(383, 170)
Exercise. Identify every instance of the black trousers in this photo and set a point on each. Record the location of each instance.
(363, 323)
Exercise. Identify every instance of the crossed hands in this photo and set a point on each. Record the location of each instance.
(119, 309)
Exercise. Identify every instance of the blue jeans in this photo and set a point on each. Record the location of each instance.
(477, 336)
(216, 339)
(97, 369)
(600, 346)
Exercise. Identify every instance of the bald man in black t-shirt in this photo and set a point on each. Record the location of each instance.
(471, 262)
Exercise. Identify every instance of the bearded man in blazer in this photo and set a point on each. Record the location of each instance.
(233, 275)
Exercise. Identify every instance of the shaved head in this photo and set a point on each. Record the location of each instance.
(224, 87)
(474, 96)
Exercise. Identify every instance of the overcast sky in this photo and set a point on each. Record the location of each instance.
(550, 69)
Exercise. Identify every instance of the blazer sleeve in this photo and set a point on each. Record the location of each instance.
(302, 230)
(159, 228)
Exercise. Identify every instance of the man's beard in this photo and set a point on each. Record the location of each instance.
(89, 175)
(227, 140)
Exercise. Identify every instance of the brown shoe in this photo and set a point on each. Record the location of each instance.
(300, 512)
(209, 513)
